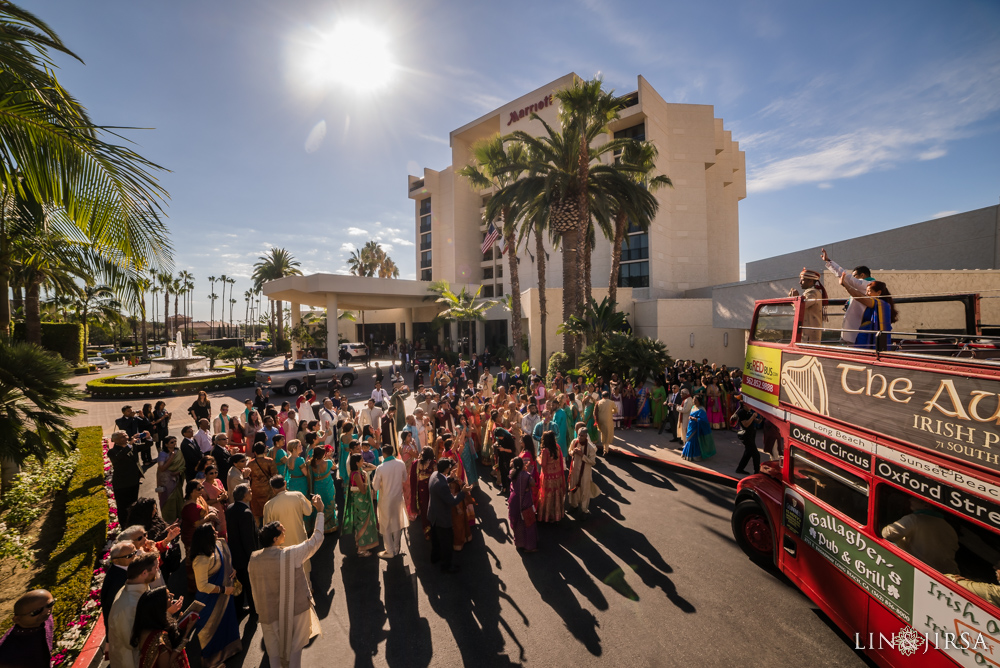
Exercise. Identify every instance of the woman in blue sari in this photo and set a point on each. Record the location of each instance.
(217, 627)
(880, 312)
(699, 434)
(321, 476)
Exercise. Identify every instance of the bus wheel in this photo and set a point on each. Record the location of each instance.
(752, 532)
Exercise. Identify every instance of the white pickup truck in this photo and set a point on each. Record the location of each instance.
(292, 382)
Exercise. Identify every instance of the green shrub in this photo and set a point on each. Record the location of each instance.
(23, 502)
(637, 359)
(211, 352)
(283, 346)
(106, 388)
(65, 338)
(70, 567)
(558, 363)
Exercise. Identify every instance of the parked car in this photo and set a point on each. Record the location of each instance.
(99, 362)
(297, 378)
(257, 346)
(348, 351)
(108, 351)
(422, 359)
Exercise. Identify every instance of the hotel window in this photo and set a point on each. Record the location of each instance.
(635, 259)
(634, 275)
(487, 291)
(425, 274)
(637, 132)
(425, 259)
(425, 241)
(425, 215)
(487, 273)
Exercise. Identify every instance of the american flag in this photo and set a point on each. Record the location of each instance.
(492, 234)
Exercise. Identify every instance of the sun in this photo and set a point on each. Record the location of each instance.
(354, 55)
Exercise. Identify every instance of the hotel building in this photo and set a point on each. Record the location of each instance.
(666, 273)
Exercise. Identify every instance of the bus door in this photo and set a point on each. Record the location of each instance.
(825, 507)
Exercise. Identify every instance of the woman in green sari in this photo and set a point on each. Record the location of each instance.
(658, 399)
(588, 419)
(321, 480)
(170, 479)
(359, 511)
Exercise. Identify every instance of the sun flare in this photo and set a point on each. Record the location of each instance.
(354, 55)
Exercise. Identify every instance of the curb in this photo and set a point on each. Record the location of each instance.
(684, 469)
(91, 654)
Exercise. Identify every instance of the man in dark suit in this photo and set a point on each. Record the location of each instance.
(674, 402)
(243, 541)
(439, 514)
(136, 426)
(190, 451)
(115, 575)
(220, 451)
(126, 474)
(503, 378)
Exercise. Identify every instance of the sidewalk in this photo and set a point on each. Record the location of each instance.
(644, 444)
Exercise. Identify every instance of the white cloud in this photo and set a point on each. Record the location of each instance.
(832, 129)
(402, 242)
(825, 186)
(357, 232)
(943, 214)
(347, 247)
(434, 138)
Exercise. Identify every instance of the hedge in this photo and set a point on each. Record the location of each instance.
(106, 388)
(70, 567)
(65, 338)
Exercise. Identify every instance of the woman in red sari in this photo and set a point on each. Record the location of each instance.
(552, 497)
(530, 465)
(155, 633)
(194, 513)
(420, 477)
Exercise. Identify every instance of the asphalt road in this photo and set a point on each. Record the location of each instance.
(652, 578)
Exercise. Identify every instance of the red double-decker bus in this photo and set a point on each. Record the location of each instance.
(884, 507)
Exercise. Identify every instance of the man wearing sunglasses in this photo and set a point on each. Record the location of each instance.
(26, 643)
(115, 574)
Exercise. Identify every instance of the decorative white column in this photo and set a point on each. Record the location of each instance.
(453, 329)
(296, 319)
(480, 336)
(332, 332)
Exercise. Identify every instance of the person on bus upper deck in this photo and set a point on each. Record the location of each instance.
(879, 314)
(814, 300)
(926, 535)
(854, 310)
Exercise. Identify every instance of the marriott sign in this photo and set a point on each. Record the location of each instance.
(515, 116)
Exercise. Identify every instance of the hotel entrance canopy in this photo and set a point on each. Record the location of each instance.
(351, 293)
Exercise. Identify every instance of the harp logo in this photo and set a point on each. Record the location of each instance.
(805, 385)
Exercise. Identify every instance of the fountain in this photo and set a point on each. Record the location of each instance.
(176, 362)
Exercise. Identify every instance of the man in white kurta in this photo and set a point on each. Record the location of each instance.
(388, 482)
(328, 422)
(581, 477)
(858, 280)
(281, 592)
(288, 508)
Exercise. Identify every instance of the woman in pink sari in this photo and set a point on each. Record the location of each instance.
(530, 465)
(216, 496)
(408, 453)
(716, 417)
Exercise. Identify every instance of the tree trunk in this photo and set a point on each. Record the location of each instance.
(5, 319)
(145, 341)
(32, 314)
(540, 254)
(86, 330)
(177, 297)
(515, 288)
(166, 315)
(616, 256)
(571, 271)
(281, 320)
(587, 278)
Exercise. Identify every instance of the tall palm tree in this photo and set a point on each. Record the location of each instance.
(211, 318)
(232, 283)
(144, 285)
(154, 290)
(463, 306)
(50, 149)
(187, 285)
(95, 298)
(497, 164)
(568, 175)
(177, 287)
(642, 155)
(276, 263)
(35, 402)
(211, 298)
(368, 261)
(247, 297)
(166, 283)
(222, 314)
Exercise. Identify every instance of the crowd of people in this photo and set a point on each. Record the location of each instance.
(245, 496)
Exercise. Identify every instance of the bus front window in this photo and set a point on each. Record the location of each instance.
(775, 323)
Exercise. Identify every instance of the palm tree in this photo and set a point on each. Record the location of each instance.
(177, 287)
(276, 263)
(35, 400)
(497, 164)
(144, 285)
(166, 283)
(187, 285)
(211, 298)
(565, 174)
(95, 298)
(222, 314)
(642, 156)
(535, 218)
(463, 306)
(154, 290)
(211, 318)
(232, 283)
(599, 321)
(52, 151)
(368, 261)
(247, 297)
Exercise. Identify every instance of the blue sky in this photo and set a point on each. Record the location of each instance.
(855, 116)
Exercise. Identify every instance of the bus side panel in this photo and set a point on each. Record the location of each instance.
(883, 622)
(839, 597)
